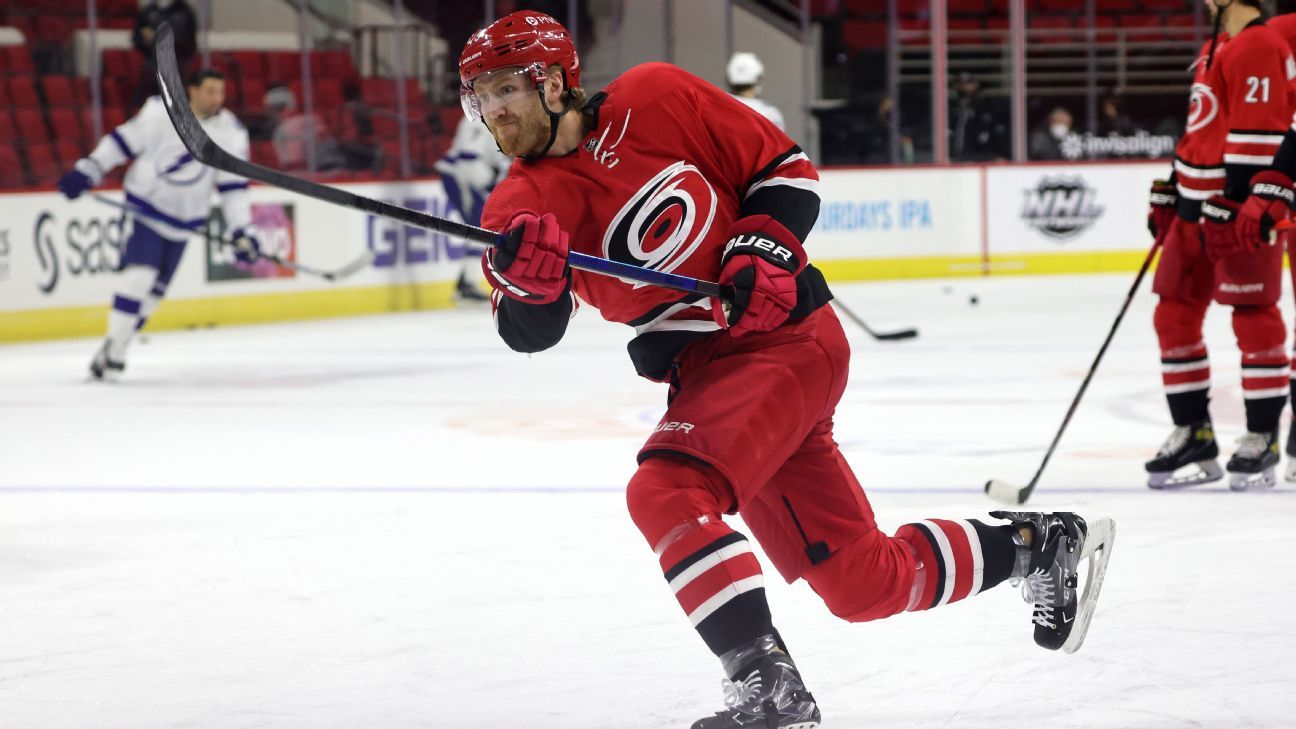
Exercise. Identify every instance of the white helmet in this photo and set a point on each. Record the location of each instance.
(744, 69)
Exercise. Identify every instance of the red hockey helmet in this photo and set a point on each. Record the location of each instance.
(526, 41)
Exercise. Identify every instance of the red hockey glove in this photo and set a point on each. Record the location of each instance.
(1271, 200)
(530, 262)
(1162, 202)
(1219, 229)
(761, 261)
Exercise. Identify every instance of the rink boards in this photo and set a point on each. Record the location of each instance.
(57, 256)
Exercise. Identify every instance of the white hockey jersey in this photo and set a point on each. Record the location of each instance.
(471, 168)
(164, 181)
(765, 109)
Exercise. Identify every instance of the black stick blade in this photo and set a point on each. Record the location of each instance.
(176, 97)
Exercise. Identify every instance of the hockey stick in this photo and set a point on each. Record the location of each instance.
(335, 275)
(1006, 493)
(175, 97)
(896, 335)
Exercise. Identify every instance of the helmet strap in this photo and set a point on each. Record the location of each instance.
(554, 118)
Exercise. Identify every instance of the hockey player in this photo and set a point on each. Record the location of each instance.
(1242, 100)
(666, 171)
(469, 171)
(744, 73)
(172, 193)
(1272, 200)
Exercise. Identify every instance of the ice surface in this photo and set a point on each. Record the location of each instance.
(394, 521)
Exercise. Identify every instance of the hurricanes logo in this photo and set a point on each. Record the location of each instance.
(1202, 107)
(664, 222)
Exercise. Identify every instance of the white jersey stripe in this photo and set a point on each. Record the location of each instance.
(804, 183)
(1236, 138)
(1262, 394)
(1176, 367)
(716, 601)
(1248, 159)
(1201, 173)
(711, 560)
(1253, 372)
(978, 561)
(947, 556)
(1187, 387)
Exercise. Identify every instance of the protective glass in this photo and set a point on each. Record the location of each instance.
(493, 89)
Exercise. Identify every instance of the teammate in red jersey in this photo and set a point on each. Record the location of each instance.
(1272, 200)
(665, 171)
(1242, 100)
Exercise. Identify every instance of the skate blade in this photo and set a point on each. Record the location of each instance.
(1289, 475)
(1206, 472)
(104, 376)
(1265, 479)
(1097, 550)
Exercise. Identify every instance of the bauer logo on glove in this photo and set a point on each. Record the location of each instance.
(765, 247)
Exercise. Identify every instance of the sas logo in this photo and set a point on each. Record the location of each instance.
(1061, 207)
(664, 222)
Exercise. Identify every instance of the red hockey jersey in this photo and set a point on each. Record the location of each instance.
(670, 163)
(1196, 176)
(1238, 114)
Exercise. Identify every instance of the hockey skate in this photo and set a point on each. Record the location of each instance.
(1187, 458)
(766, 694)
(1048, 572)
(1254, 462)
(104, 367)
(466, 290)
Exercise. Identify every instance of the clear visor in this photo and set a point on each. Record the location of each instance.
(494, 89)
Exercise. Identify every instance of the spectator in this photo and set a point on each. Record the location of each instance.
(295, 131)
(1112, 120)
(978, 132)
(877, 135)
(183, 23)
(1046, 140)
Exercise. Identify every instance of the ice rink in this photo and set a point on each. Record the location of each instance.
(395, 522)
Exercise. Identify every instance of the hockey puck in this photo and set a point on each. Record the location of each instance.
(973, 300)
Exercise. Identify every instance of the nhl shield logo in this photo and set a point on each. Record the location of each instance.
(1061, 207)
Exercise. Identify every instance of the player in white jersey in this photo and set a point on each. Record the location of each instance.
(172, 194)
(470, 169)
(744, 74)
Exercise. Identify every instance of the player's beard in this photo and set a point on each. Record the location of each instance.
(521, 134)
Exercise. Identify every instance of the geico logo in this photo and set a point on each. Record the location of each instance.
(673, 425)
(759, 243)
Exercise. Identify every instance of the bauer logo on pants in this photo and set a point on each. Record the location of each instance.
(1061, 207)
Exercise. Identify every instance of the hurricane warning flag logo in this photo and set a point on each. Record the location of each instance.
(661, 225)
